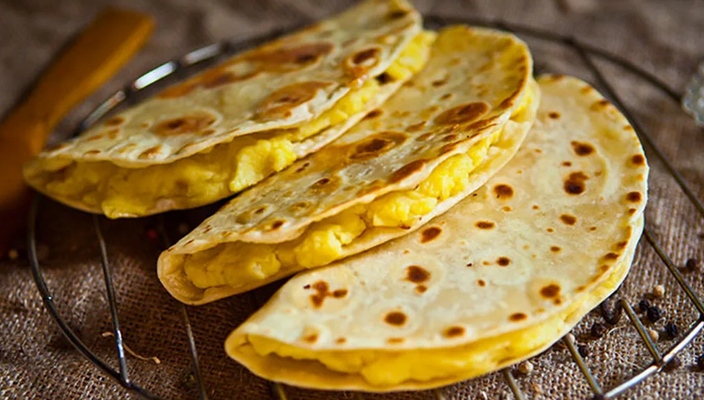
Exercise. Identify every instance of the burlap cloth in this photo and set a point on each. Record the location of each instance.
(36, 361)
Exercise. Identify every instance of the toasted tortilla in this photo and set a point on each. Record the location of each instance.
(266, 93)
(496, 279)
(476, 96)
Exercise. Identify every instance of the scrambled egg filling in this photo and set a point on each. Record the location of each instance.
(387, 368)
(241, 263)
(399, 209)
(234, 264)
(323, 242)
(222, 266)
(222, 170)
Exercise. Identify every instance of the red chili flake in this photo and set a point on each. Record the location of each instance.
(152, 234)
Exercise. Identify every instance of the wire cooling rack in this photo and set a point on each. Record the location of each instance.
(204, 56)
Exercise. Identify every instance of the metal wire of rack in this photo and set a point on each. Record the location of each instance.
(585, 52)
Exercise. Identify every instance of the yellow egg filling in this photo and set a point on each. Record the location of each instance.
(220, 265)
(221, 170)
(400, 209)
(387, 368)
(324, 241)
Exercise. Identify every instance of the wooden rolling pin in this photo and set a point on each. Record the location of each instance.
(95, 56)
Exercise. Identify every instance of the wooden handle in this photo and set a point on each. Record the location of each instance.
(94, 57)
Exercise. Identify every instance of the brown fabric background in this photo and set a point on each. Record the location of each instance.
(37, 362)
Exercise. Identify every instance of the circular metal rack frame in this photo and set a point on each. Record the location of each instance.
(201, 56)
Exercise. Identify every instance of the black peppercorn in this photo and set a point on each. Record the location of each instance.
(598, 330)
(643, 305)
(671, 330)
(691, 265)
(611, 316)
(654, 314)
(672, 365)
(583, 350)
(700, 362)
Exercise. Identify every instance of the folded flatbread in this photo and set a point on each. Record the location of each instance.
(233, 125)
(406, 162)
(496, 279)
